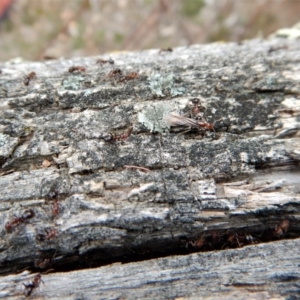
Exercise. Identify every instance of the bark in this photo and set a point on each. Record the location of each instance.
(64, 151)
(267, 271)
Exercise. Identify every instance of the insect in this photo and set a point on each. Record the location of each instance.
(196, 107)
(174, 119)
(272, 49)
(105, 61)
(120, 137)
(28, 214)
(48, 57)
(50, 234)
(74, 69)
(29, 77)
(42, 263)
(196, 244)
(55, 205)
(129, 76)
(114, 73)
(32, 285)
(282, 228)
(169, 49)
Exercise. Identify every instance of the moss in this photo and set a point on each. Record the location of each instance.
(191, 8)
(221, 34)
(78, 41)
(99, 36)
(118, 38)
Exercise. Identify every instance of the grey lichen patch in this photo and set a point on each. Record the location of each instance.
(152, 117)
(291, 33)
(162, 86)
(7, 145)
(72, 82)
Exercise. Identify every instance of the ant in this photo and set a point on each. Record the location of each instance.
(55, 207)
(55, 204)
(43, 263)
(196, 244)
(29, 77)
(120, 137)
(50, 234)
(282, 228)
(74, 69)
(129, 76)
(28, 214)
(196, 107)
(105, 61)
(169, 49)
(32, 285)
(114, 73)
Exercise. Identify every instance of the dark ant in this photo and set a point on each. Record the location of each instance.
(272, 49)
(29, 77)
(196, 107)
(55, 205)
(233, 240)
(55, 208)
(32, 285)
(28, 214)
(49, 57)
(129, 76)
(114, 73)
(196, 244)
(43, 263)
(105, 61)
(120, 137)
(76, 69)
(282, 228)
(169, 49)
(50, 234)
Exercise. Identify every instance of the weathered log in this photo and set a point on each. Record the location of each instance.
(266, 271)
(64, 154)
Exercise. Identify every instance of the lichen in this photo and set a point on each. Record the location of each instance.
(152, 117)
(162, 86)
(72, 82)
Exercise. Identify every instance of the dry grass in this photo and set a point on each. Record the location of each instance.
(35, 28)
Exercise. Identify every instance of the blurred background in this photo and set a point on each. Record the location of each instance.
(35, 29)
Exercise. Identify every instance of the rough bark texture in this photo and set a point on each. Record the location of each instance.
(227, 188)
(267, 271)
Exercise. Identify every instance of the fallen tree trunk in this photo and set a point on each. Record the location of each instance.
(93, 174)
(261, 272)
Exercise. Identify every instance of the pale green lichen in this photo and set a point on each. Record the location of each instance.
(162, 86)
(72, 82)
(152, 117)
